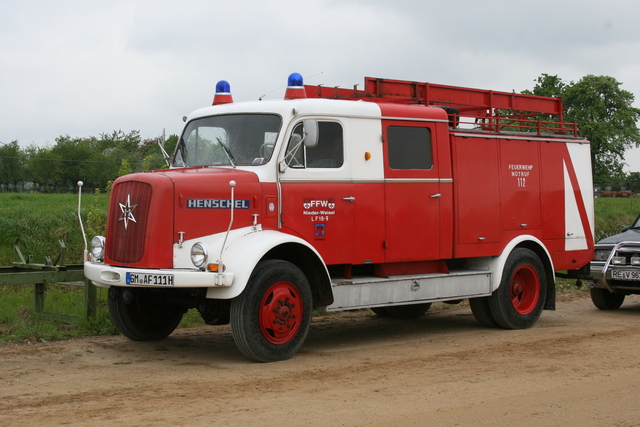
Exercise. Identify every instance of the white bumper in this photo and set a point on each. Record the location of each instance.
(106, 275)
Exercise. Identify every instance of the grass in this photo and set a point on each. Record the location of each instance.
(20, 323)
(40, 220)
(612, 214)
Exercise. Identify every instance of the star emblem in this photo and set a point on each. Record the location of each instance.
(127, 212)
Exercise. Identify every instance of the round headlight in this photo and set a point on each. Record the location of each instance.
(199, 255)
(97, 248)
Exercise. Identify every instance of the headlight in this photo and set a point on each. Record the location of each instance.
(199, 255)
(97, 248)
(602, 254)
(618, 260)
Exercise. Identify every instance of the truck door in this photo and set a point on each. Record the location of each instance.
(412, 192)
(317, 205)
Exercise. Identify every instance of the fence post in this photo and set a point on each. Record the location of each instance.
(89, 299)
(38, 297)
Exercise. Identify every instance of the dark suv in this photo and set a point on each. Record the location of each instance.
(616, 268)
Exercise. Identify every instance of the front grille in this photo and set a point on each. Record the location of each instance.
(127, 222)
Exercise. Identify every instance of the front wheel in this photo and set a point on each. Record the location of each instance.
(605, 300)
(519, 300)
(142, 314)
(270, 319)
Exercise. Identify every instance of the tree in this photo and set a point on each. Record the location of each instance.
(606, 117)
(11, 163)
(41, 165)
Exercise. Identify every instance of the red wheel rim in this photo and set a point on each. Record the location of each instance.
(281, 312)
(524, 289)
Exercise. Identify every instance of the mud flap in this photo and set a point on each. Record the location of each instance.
(550, 300)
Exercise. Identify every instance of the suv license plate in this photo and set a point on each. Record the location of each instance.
(625, 275)
(150, 279)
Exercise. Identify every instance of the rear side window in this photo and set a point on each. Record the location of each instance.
(409, 147)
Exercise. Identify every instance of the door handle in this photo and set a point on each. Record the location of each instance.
(435, 196)
(349, 199)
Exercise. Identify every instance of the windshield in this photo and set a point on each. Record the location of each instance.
(234, 139)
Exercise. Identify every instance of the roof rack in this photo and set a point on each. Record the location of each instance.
(491, 110)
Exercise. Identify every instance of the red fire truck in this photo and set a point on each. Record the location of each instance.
(391, 197)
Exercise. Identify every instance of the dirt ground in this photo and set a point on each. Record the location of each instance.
(576, 366)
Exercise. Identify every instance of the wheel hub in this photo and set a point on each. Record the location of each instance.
(524, 289)
(281, 313)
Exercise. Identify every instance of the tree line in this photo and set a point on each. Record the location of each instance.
(94, 160)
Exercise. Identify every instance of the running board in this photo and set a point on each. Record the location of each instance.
(365, 292)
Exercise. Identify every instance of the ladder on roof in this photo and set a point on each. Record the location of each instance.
(496, 110)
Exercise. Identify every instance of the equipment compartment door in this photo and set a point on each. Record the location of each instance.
(412, 192)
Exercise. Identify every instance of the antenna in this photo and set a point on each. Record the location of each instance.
(164, 153)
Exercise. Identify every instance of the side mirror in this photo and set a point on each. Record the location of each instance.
(310, 128)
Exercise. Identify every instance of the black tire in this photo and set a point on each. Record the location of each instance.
(408, 312)
(270, 319)
(519, 300)
(141, 314)
(605, 300)
(380, 311)
(482, 312)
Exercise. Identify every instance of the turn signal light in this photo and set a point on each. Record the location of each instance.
(215, 268)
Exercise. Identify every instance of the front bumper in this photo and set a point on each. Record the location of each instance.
(104, 275)
(623, 275)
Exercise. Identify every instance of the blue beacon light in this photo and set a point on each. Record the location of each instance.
(295, 87)
(223, 87)
(295, 79)
(223, 93)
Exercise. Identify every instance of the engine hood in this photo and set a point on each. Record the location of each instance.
(631, 235)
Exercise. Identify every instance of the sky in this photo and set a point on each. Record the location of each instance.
(84, 68)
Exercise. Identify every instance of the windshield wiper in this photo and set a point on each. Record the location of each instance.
(228, 153)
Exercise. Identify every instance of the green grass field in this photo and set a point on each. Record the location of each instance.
(41, 220)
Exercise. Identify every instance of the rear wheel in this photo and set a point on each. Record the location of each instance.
(380, 311)
(605, 300)
(270, 319)
(482, 312)
(142, 314)
(407, 312)
(519, 300)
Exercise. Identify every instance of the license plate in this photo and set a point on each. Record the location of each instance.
(150, 279)
(625, 275)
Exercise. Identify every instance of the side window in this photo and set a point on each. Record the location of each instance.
(328, 153)
(409, 147)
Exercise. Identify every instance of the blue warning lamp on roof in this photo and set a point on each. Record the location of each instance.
(295, 87)
(223, 93)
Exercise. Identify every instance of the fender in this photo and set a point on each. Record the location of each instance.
(496, 264)
(244, 249)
